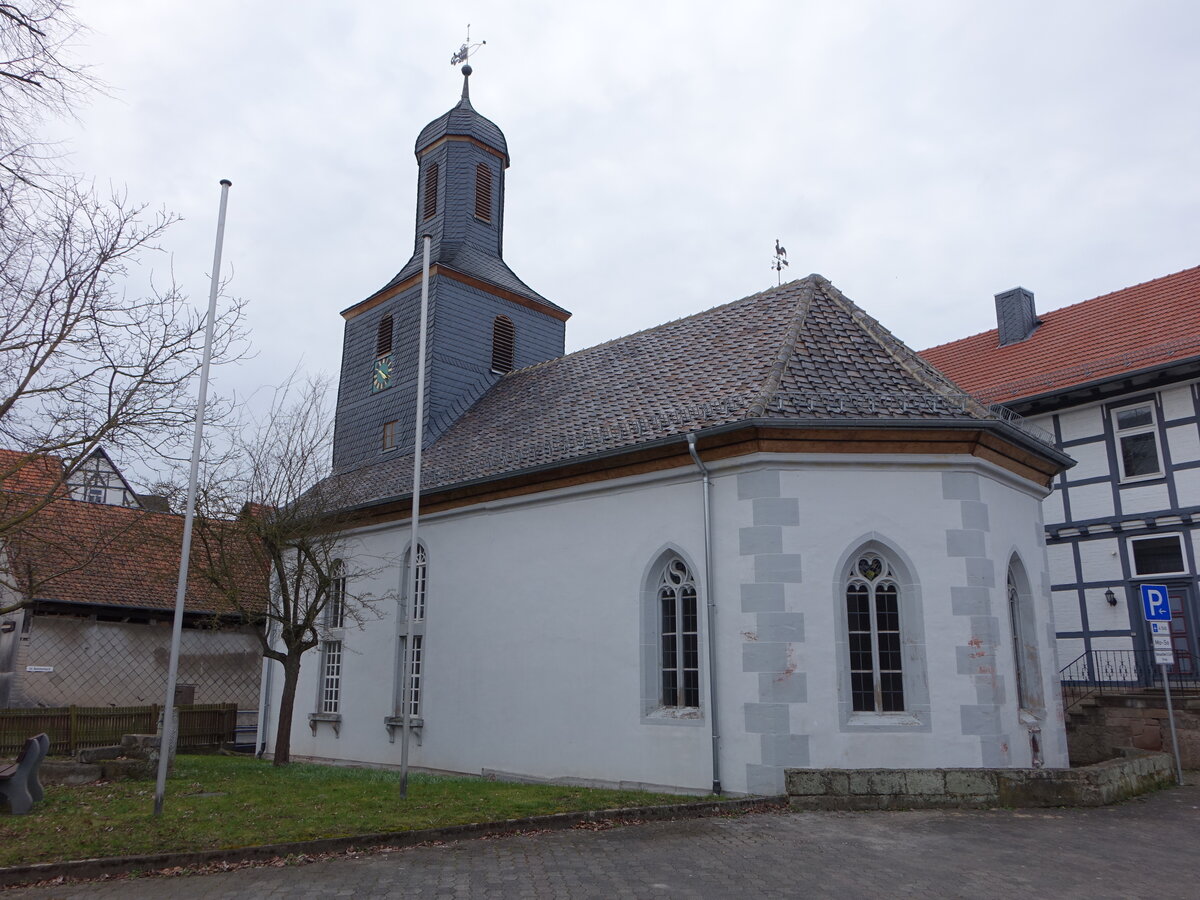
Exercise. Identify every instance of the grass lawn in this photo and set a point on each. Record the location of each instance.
(222, 801)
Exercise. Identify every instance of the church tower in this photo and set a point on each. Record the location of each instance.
(483, 320)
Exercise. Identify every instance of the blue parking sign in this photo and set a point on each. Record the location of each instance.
(1155, 605)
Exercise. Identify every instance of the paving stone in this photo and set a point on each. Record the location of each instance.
(1060, 853)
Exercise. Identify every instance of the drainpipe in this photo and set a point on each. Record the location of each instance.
(711, 618)
(264, 702)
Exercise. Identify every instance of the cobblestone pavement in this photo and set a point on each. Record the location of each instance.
(1143, 848)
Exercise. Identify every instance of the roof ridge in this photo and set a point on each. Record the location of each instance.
(1059, 309)
(905, 357)
(770, 386)
(662, 325)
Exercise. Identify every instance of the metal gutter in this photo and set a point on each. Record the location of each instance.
(711, 620)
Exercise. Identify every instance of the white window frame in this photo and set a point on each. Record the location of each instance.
(861, 581)
(418, 605)
(415, 662)
(1119, 434)
(1141, 576)
(677, 643)
(331, 677)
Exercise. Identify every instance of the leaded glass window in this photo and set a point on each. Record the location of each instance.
(419, 595)
(873, 624)
(331, 677)
(1014, 615)
(680, 643)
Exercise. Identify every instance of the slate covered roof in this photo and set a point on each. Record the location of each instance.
(474, 262)
(93, 553)
(463, 120)
(1141, 327)
(801, 352)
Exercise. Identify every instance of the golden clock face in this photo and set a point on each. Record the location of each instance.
(381, 373)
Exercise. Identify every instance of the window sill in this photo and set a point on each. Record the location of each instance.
(334, 719)
(887, 718)
(1140, 479)
(674, 715)
(396, 723)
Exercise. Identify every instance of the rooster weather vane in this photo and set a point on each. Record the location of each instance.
(464, 52)
(780, 261)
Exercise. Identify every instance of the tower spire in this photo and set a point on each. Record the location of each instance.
(461, 56)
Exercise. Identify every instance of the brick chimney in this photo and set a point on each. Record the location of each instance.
(1015, 315)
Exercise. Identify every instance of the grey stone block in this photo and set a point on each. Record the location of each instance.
(860, 781)
(970, 782)
(925, 781)
(974, 660)
(986, 629)
(767, 718)
(980, 720)
(975, 515)
(778, 568)
(805, 782)
(970, 601)
(995, 752)
(752, 485)
(781, 626)
(759, 656)
(776, 511)
(783, 688)
(981, 573)
(990, 690)
(760, 539)
(785, 749)
(766, 780)
(960, 486)
(965, 542)
(762, 598)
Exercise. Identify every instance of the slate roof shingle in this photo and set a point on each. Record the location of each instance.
(1139, 327)
(474, 262)
(802, 351)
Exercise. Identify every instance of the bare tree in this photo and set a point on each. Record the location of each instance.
(83, 360)
(273, 481)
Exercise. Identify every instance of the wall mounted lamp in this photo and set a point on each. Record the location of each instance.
(1110, 597)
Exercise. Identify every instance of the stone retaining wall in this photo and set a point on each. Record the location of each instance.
(1137, 772)
(1101, 723)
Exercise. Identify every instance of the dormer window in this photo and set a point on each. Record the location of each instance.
(504, 339)
(431, 189)
(483, 192)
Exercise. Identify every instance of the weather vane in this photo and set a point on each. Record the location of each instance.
(464, 52)
(780, 260)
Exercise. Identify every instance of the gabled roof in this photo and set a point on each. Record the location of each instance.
(31, 473)
(801, 353)
(1141, 327)
(90, 553)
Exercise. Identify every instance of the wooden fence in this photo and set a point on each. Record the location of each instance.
(75, 728)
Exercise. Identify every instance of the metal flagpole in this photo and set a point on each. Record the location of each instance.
(167, 735)
(410, 606)
(1171, 719)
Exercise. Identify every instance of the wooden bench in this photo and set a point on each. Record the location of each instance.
(19, 781)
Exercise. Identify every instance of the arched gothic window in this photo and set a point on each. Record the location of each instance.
(335, 606)
(504, 339)
(679, 635)
(483, 192)
(418, 605)
(873, 625)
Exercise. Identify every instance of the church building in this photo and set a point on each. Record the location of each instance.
(765, 536)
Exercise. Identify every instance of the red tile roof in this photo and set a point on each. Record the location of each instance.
(1140, 327)
(92, 553)
(31, 474)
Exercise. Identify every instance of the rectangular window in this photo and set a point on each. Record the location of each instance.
(331, 677)
(1136, 431)
(414, 676)
(1157, 555)
(419, 595)
(95, 495)
(389, 434)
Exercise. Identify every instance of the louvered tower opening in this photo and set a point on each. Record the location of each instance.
(383, 337)
(431, 189)
(483, 192)
(504, 339)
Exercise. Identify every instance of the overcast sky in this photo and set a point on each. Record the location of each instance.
(921, 155)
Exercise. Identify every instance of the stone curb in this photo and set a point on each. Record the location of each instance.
(122, 865)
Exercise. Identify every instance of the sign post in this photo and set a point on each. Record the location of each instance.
(1156, 607)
